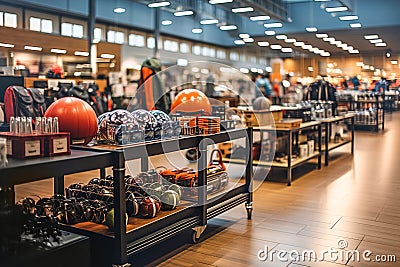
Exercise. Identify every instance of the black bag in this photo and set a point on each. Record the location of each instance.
(39, 106)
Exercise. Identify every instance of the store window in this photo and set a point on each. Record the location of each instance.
(40, 25)
(136, 40)
(72, 30)
(196, 49)
(221, 54)
(8, 19)
(115, 37)
(184, 48)
(98, 34)
(171, 46)
(212, 52)
(262, 61)
(243, 57)
(234, 56)
(253, 60)
(205, 51)
(151, 43)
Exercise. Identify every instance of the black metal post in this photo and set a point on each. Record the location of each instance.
(319, 145)
(102, 173)
(327, 138)
(91, 26)
(352, 134)
(202, 180)
(249, 164)
(59, 185)
(289, 170)
(156, 32)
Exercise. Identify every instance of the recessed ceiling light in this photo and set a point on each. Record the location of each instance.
(355, 25)
(244, 70)
(244, 35)
(248, 40)
(254, 69)
(380, 44)
(273, 25)
(239, 42)
(393, 62)
(321, 35)
(310, 68)
(336, 43)
(310, 48)
(119, 10)
(215, 2)
(314, 49)
(354, 51)
(263, 43)
(270, 32)
(336, 9)
(258, 18)
(242, 9)
(375, 41)
(80, 53)
(197, 30)
(290, 40)
(276, 47)
(33, 48)
(228, 27)
(58, 51)
(108, 56)
(372, 36)
(351, 17)
(159, 4)
(287, 50)
(325, 54)
(298, 43)
(372, 68)
(7, 45)
(329, 39)
(311, 29)
(208, 21)
(166, 22)
(281, 37)
(306, 46)
(183, 13)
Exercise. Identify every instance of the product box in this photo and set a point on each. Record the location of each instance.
(24, 145)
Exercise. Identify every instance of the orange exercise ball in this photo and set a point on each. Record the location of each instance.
(191, 101)
(74, 116)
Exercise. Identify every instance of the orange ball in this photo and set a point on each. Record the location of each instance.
(74, 116)
(191, 100)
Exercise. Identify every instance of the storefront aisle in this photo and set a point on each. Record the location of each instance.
(353, 202)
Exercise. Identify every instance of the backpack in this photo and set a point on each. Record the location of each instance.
(22, 102)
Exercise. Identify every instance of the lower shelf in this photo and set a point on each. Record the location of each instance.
(332, 146)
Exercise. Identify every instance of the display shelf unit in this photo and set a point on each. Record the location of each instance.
(328, 145)
(292, 136)
(139, 234)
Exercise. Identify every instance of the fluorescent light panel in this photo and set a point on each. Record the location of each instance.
(208, 21)
(329, 39)
(263, 43)
(183, 13)
(336, 9)
(375, 41)
(119, 10)
(273, 25)
(270, 33)
(33, 48)
(244, 35)
(276, 47)
(393, 62)
(355, 25)
(351, 17)
(7, 45)
(311, 29)
(298, 43)
(371, 36)
(321, 35)
(306, 46)
(58, 51)
(287, 50)
(166, 22)
(108, 56)
(281, 37)
(228, 27)
(258, 18)
(216, 2)
(248, 40)
(80, 53)
(380, 44)
(197, 30)
(239, 42)
(290, 40)
(242, 9)
(159, 4)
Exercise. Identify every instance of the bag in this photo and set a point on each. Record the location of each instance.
(21, 102)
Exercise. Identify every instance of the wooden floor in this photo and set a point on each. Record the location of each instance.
(355, 199)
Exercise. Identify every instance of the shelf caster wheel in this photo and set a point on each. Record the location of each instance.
(249, 209)
(196, 234)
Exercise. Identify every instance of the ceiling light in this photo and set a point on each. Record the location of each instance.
(215, 2)
(336, 9)
(244, 35)
(317, 51)
(242, 9)
(355, 51)
(281, 37)
(287, 50)
(336, 43)
(291, 40)
(166, 22)
(244, 70)
(58, 51)
(197, 30)
(306, 46)
(371, 68)
(268, 69)
(355, 25)
(372, 36)
(239, 42)
(359, 64)
(325, 54)
(80, 53)
(7, 45)
(269, 32)
(273, 25)
(375, 41)
(208, 21)
(263, 43)
(258, 18)
(351, 17)
(380, 44)
(159, 4)
(276, 47)
(310, 68)
(365, 67)
(311, 29)
(298, 43)
(254, 69)
(228, 27)
(119, 10)
(348, 48)
(321, 35)
(314, 49)
(248, 40)
(180, 62)
(310, 48)
(33, 48)
(393, 62)
(329, 39)
(108, 56)
(343, 46)
(183, 13)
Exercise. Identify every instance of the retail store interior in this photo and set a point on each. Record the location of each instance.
(199, 133)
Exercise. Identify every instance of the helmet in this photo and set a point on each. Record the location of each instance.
(163, 125)
(147, 121)
(112, 124)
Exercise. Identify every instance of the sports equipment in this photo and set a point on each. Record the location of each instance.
(191, 101)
